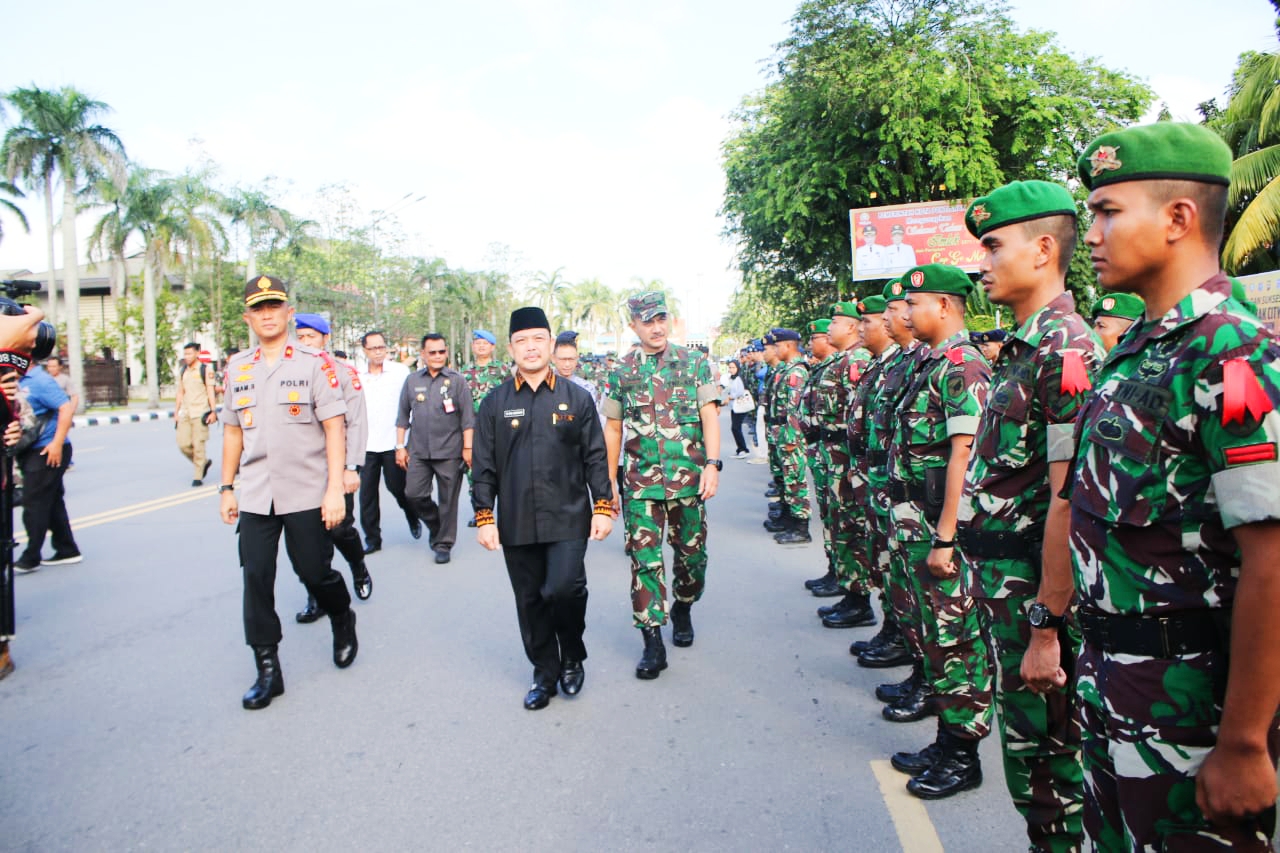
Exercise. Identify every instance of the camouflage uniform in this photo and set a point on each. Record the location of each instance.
(770, 427)
(842, 531)
(856, 494)
(659, 399)
(1037, 387)
(1176, 447)
(482, 379)
(812, 411)
(786, 413)
(945, 398)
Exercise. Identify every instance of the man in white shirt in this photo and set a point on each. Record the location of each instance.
(898, 257)
(868, 260)
(382, 380)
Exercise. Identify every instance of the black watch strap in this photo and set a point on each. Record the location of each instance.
(225, 488)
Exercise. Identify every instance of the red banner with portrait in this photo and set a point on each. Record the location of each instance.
(889, 240)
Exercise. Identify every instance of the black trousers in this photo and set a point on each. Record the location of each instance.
(736, 420)
(310, 551)
(44, 508)
(345, 538)
(550, 585)
(380, 466)
(441, 519)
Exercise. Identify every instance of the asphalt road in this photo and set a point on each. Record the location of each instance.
(122, 728)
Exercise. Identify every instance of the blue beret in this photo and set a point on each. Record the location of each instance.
(994, 336)
(780, 335)
(482, 335)
(312, 321)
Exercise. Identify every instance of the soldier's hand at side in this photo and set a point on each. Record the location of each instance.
(350, 482)
(229, 509)
(601, 527)
(1041, 663)
(333, 508)
(710, 482)
(940, 563)
(487, 536)
(1235, 783)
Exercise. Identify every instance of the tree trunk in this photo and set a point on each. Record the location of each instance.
(71, 277)
(53, 271)
(150, 272)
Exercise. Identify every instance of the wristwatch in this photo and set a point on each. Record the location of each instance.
(225, 488)
(355, 468)
(1040, 616)
(716, 462)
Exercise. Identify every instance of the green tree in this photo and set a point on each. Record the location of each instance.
(11, 190)
(57, 133)
(593, 304)
(895, 101)
(548, 291)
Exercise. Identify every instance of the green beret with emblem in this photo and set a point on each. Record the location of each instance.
(820, 326)
(1020, 201)
(872, 305)
(1123, 305)
(894, 291)
(1164, 151)
(938, 278)
(845, 309)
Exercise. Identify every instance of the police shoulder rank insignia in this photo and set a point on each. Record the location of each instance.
(955, 355)
(288, 352)
(1104, 160)
(980, 214)
(1075, 377)
(1243, 397)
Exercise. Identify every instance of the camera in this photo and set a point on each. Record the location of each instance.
(46, 335)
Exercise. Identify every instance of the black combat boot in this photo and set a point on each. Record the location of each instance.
(915, 763)
(310, 613)
(957, 768)
(812, 582)
(681, 624)
(654, 659)
(890, 693)
(840, 606)
(856, 614)
(345, 644)
(778, 523)
(888, 655)
(915, 705)
(888, 634)
(796, 533)
(830, 589)
(773, 491)
(270, 683)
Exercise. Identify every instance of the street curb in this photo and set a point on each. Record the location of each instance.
(86, 421)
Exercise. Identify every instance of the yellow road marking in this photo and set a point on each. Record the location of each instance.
(120, 513)
(910, 819)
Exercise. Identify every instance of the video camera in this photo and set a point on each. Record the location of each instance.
(46, 335)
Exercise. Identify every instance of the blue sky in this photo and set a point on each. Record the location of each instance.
(580, 134)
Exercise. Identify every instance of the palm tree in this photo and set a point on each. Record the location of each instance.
(254, 210)
(56, 134)
(9, 189)
(548, 292)
(1252, 127)
(594, 304)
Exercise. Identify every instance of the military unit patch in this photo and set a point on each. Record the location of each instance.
(1104, 160)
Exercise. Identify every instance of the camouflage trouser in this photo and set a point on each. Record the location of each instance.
(795, 485)
(1148, 724)
(818, 464)
(1039, 734)
(898, 590)
(685, 520)
(848, 518)
(775, 453)
(955, 655)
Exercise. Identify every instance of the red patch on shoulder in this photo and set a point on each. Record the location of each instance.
(1075, 378)
(955, 355)
(1243, 396)
(1249, 453)
(855, 371)
(793, 380)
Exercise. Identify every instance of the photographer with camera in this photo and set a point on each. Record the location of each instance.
(43, 464)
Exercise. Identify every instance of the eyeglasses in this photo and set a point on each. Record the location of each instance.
(435, 351)
(375, 349)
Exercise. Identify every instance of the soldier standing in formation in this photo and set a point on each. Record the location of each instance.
(1175, 515)
(663, 394)
(786, 414)
(283, 431)
(313, 331)
(769, 354)
(821, 353)
(1013, 533)
(928, 455)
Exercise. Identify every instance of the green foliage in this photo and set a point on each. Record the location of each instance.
(1251, 126)
(897, 101)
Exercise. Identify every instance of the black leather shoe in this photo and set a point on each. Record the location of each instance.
(916, 705)
(310, 613)
(372, 549)
(654, 659)
(859, 615)
(889, 655)
(195, 483)
(571, 677)
(812, 582)
(442, 556)
(681, 624)
(890, 693)
(956, 769)
(797, 533)
(363, 582)
(915, 763)
(345, 644)
(827, 590)
(777, 523)
(472, 522)
(539, 696)
(887, 635)
(415, 528)
(270, 683)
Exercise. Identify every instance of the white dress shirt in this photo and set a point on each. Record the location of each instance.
(382, 402)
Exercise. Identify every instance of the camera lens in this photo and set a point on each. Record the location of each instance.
(46, 340)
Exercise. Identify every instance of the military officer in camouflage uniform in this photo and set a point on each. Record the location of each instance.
(482, 377)
(786, 413)
(773, 366)
(1013, 526)
(821, 354)
(1113, 315)
(663, 394)
(928, 456)
(1175, 515)
(283, 432)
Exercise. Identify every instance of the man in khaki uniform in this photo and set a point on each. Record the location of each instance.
(194, 410)
(283, 430)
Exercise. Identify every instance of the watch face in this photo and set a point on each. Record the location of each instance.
(1037, 615)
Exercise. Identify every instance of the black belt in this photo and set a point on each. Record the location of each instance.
(775, 421)
(1179, 633)
(1000, 544)
(877, 458)
(899, 492)
(835, 435)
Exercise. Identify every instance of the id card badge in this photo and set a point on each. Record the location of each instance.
(448, 405)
